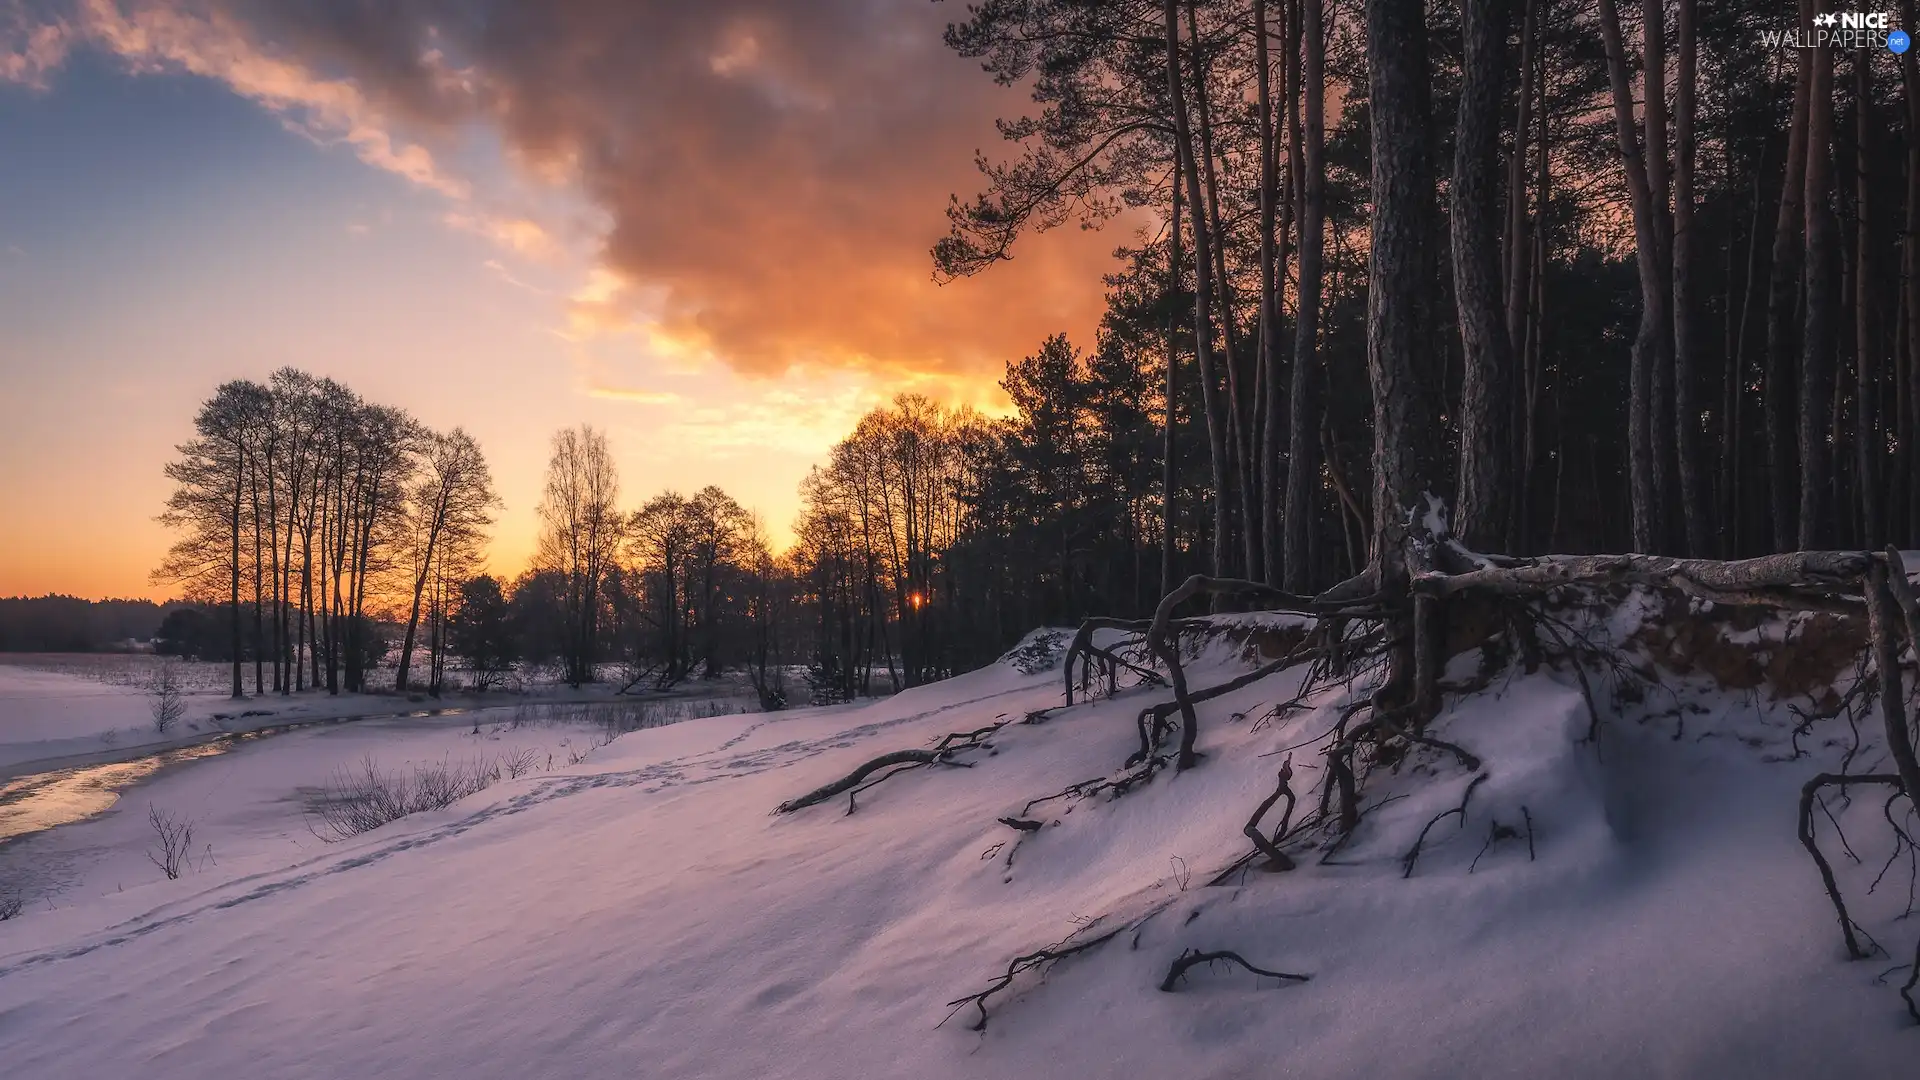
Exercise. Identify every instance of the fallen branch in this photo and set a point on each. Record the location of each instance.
(1194, 958)
(1746, 581)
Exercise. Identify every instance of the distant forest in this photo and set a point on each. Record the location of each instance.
(71, 624)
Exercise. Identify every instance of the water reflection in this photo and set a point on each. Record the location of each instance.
(29, 804)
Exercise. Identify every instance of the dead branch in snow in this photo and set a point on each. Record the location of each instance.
(1413, 853)
(1193, 958)
(893, 764)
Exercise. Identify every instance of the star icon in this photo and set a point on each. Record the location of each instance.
(1826, 18)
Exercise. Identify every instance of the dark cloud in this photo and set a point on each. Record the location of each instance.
(774, 171)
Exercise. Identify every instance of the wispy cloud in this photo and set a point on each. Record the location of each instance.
(500, 271)
(637, 397)
(517, 234)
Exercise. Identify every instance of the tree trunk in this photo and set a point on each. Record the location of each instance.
(1486, 440)
(1303, 407)
(1660, 373)
(1655, 328)
(1908, 346)
(233, 592)
(1405, 424)
(1783, 305)
(1517, 250)
(1202, 293)
(1869, 442)
(1817, 345)
(1269, 359)
(1169, 468)
(1686, 418)
(1240, 453)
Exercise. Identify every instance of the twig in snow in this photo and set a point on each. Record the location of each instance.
(1413, 853)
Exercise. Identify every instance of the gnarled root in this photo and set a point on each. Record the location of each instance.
(893, 764)
(1194, 958)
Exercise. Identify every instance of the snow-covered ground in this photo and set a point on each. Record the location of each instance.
(1651, 913)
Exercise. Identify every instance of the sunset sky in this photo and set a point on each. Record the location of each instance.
(700, 226)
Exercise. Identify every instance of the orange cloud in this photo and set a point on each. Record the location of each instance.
(770, 174)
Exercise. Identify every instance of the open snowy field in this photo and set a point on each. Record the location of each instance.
(1640, 908)
(55, 707)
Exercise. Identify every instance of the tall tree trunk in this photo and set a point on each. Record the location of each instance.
(1486, 439)
(1240, 454)
(233, 591)
(1817, 345)
(1733, 432)
(419, 589)
(1269, 359)
(1907, 346)
(1303, 406)
(1783, 305)
(1869, 441)
(1655, 332)
(259, 581)
(1406, 440)
(1202, 293)
(1686, 415)
(1169, 463)
(1517, 250)
(1660, 385)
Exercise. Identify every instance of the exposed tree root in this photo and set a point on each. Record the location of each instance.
(1807, 796)
(893, 764)
(1913, 980)
(1277, 860)
(1194, 957)
(1046, 958)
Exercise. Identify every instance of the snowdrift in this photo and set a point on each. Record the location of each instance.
(1634, 906)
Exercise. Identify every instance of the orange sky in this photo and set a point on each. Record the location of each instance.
(701, 227)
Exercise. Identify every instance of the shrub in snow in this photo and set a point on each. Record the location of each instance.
(363, 799)
(173, 842)
(166, 696)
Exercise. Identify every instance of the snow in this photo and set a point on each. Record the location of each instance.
(65, 710)
(643, 913)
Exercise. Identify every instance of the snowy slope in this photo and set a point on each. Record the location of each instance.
(645, 915)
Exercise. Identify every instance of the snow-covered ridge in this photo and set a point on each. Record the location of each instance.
(1639, 907)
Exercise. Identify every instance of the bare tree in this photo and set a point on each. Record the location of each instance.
(173, 842)
(166, 696)
(580, 533)
(449, 509)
